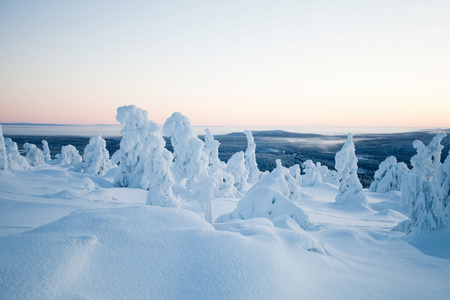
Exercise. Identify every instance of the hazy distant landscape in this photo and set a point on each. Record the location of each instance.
(291, 147)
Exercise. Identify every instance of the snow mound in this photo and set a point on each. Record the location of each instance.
(153, 253)
(268, 198)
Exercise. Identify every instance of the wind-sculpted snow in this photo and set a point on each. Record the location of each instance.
(268, 198)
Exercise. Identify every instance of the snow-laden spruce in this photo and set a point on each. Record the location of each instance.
(426, 209)
(236, 167)
(216, 169)
(250, 158)
(96, 156)
(442, 184)
(268, 198)
(15, 160)
(293, 186)
(389, 176)
(135, 131)
(190, 162)
(296, 174)
(350, 188)
(69, 155)
(311, 174)
(157, 177)
(46, 151)
(3, 156)
(34, 155)
(327, 175)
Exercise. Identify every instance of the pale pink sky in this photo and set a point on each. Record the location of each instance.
(272, 63)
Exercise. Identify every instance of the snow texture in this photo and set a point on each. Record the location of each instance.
(46, 151)
(350, 188)
(250, 158)
(69, 155)
(268, 198)
(236, 167)
(96, 156)
(389, 176)
(34, 155)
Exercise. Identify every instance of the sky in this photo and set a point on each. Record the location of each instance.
(227, 63)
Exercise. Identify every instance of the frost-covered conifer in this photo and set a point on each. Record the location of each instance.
(350, 188)
(293, 189)
(15, 160)
(69, 155)
(236, 167)
(389, 176)
(190, 162)
(157, 177)
(296, 174)
(426, 210)
(428, 158)
(211, 150)
(3, 156)
(34, 155)
(96, 156)
(135, 132)
(442, 184)
(46, 151)
(250, 158)
(311, 174)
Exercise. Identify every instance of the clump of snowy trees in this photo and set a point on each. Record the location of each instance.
(426, 188)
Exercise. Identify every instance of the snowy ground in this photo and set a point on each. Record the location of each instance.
(68, 235)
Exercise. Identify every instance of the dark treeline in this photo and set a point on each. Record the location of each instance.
(291, 148)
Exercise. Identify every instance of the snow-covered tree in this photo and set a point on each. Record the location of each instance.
(350, 188)
(96, 156)
(69, 155)
(236, 167)
(294, 192)
(250, 158)
(3, 156)
(135, 132)
(15, 160)
(311, 174)
(157, 176)
(46, 151)
(34, 155)
(426, 208)
(389, 176)
(442, 184)
(327, 175)
(211, 150)
(190, 162)
(296, 174)
(428, 158)
(426, 211)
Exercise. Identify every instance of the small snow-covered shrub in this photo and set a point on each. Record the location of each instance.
(15, 160)
(350, 189)
(96, 157)
(69, 155)
(311, 174)
(250, 158)
(296, 174)
(46, 151)
(389, 176)
(34, 155)
(268, 198)
(3, 156)
(236, 167)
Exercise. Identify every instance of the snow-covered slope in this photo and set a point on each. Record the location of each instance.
(67, 235)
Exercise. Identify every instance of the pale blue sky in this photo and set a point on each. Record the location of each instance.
(295, 63)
